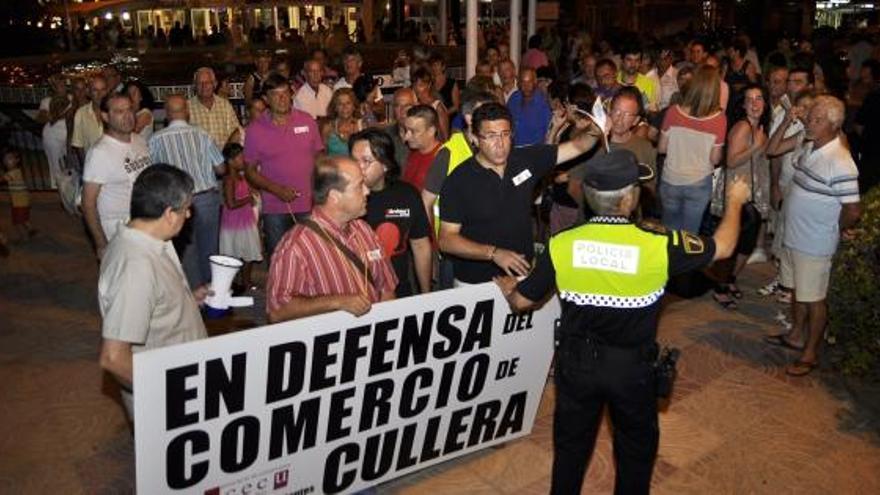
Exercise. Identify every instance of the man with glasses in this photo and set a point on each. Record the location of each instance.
(144, 297)
(280, 148)
(485, 214)
(627, 111)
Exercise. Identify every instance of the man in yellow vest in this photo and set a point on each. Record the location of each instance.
(453, 153)
(611, 274)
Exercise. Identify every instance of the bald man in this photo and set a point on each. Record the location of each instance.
(192, 150)
(404, 99)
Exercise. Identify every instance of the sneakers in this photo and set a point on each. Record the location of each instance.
(769, 289)
(759, 255)
(783, 296)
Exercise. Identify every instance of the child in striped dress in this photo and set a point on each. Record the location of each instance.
(239, 236)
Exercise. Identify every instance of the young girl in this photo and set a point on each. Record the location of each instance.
(18, 193)
(239, 236)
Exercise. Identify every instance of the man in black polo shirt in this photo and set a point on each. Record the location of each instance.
(485, 214)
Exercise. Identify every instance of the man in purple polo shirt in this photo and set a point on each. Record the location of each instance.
(280, 149)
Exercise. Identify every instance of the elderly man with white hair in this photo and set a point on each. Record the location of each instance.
(212, 112)
(821, 207)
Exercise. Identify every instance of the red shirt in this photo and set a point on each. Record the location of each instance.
(417, 166)
(305, 264)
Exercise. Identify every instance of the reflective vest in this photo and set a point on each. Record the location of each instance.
(611, 265)
(459, 151)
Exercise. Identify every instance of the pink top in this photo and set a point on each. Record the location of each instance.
(535, 59)
(239, 218)
(286, 155)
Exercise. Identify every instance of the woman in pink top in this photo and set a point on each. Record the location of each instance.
(692, 137)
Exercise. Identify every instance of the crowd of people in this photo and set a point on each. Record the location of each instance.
(459, 181)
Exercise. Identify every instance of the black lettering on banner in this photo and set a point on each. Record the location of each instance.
(414, 340)
(405, 457)
(446, 376)
(479, 332)
(229, 386)
(339, 411)
(178, 395)
(370, 468)
(295, 431)
(483, 426)
(334, 481)
(246, 431)
(381, 345)
(450, 332)
(176, 461)
(429, 444)
(410, 405)
(376, 405)
(321, 359)
(456, 428)
(473, 377)
(352, 351)
(512, 419)
(286, 371)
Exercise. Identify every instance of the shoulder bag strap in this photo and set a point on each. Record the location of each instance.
(357, 262)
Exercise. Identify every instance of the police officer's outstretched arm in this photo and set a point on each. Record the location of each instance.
(727, 233)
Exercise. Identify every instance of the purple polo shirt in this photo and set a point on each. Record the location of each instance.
(286, 155)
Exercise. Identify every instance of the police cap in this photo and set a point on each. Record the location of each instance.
(615, 170)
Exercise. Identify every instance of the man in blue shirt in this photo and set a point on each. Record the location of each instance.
(530, 110)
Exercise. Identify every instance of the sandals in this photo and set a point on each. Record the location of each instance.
(801, 368)
(781, 341)
(724, 300)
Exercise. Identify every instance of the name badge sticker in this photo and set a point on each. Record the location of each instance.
(301, 129)
(374, 255)
(522, 177)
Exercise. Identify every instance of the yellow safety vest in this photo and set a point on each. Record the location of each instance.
(459, 151)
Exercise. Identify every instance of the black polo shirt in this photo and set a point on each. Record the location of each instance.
(495, 210)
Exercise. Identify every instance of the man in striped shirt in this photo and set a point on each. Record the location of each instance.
(192, 150)
(310, 272)
(822, 206)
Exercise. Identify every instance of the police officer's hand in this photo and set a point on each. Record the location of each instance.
(355, 304)
(738, 192)
(512, 263)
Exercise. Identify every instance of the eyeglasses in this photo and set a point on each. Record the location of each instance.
(621, 114)
(496, 136)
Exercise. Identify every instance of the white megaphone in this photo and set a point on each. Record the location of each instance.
(223, 270)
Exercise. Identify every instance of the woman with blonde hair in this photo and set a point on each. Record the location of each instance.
(692, 136)
(343, 119)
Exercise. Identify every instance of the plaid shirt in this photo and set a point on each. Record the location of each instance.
(219, 121)
(304, 264)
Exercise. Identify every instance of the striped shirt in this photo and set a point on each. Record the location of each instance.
(190, 149)
(824, 179)
(306, 265)
(219, 121)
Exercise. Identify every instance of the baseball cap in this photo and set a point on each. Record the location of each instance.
(615, 170)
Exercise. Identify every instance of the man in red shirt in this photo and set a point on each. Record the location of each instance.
(333, 260)
(421, 135)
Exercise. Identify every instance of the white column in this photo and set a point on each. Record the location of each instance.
(471, 39)
(275, 23)
(531, 22)
(442, 26)
(515, 31)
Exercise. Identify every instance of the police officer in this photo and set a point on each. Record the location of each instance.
(610, 274)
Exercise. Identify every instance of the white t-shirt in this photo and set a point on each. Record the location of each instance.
(115, 165)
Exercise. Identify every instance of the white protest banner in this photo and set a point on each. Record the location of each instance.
(335, 403)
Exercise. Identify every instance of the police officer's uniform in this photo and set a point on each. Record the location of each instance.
(610, 274)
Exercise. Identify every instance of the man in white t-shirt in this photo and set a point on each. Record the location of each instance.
(314, 96)
(111, 167)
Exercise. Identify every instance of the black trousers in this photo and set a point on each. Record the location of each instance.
(589, 376)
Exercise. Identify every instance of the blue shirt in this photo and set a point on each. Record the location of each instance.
(531, 118)
(190, 149)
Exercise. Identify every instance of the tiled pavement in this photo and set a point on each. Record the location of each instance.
(736, 423)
